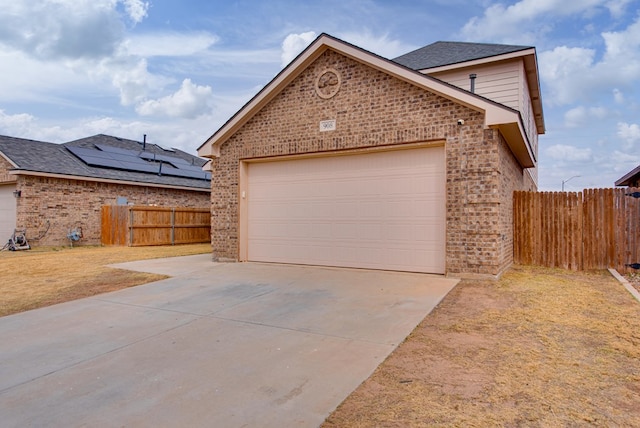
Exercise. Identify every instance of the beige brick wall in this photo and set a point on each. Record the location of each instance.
(4, 171)
(512, 178)
(55, 206)
(374, 109)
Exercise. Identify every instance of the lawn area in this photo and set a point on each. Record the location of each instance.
(540, 347)
(45, 276)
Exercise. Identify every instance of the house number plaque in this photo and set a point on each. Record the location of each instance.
(327, 125)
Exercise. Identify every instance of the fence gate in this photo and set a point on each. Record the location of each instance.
(594, 229)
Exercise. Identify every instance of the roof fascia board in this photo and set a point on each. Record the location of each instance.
(517, 141)
(495, 114)
(533, 81)
(265, 95)
(8, 159)
(531, 71)
(106, 180)
(480, 61)
(411, 76)
(624, 180)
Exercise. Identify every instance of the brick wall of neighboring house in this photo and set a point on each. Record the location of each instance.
(373, 109)
(56, 206)
(4, 171)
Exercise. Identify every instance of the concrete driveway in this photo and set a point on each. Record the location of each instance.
(228, 345)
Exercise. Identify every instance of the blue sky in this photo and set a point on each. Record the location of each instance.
(176, 71)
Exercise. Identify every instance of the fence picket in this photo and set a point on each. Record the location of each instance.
(146, 225)
(593, 229)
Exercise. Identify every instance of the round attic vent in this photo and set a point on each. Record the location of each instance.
(328, 83)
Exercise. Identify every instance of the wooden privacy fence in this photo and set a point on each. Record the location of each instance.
(145, 225)
(594, 229)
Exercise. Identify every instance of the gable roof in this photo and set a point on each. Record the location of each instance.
(439, 54)
(445, 56)
(497, 115)
(629, 178)
(30, 157)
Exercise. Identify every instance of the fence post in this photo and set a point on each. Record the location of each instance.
(173, 225)
(131, 226)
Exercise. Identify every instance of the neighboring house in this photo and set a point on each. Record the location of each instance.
(630, 179)
(349, 159)
(53, 189)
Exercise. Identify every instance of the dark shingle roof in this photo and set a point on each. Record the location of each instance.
(629, 178)
(39, 156)
(446, 53)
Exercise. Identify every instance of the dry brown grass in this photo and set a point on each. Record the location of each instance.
(540, 347)
(45, 276)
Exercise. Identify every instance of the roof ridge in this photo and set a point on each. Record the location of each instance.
(443, 53)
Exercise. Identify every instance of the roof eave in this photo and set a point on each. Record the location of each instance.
(211, 147)
(628, 177)
(531, 70)
(515, 137)
(496, 115)
(8, 159)
(480, 61)
(105, 180)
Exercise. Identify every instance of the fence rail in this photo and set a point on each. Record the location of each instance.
(133, 226)
(594, 229)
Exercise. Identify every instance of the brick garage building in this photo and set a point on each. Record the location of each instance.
(52, 189)
(349, 159)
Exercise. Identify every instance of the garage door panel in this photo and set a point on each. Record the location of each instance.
(7, 212)
(379, 210)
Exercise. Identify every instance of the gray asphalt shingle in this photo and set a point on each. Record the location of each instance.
(446, 53)
(40, 156)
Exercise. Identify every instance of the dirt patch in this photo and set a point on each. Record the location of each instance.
(540, 347)
(45, 276)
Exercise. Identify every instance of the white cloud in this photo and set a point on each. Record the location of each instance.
(169, 44)
(566, 72)
(184, 134)
(572, 74)
(24, 125)
(65, 29)
(568, 153)
(380, 45)
(623, 45)
(293, 44)
(619, 160)
(190, 101)
(130, 76)
(522, 22)
(617, 8)
(630, 133)
(618, 96)
(569, 73)
(16, 124)
(581, 116)
(136, 9)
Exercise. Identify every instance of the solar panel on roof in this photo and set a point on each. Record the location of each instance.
(111, 149)
(171, 159)
(132, 160)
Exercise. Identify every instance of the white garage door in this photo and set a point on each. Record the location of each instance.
(383, 210)
(7, 212)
